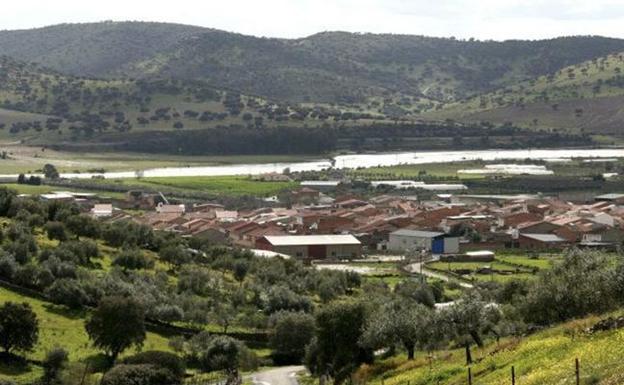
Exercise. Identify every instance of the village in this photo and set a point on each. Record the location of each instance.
(317, 222)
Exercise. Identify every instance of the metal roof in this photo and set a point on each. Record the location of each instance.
(297, 240)
(544, 237)
(320, 183)
(610, 196)
(417, 233)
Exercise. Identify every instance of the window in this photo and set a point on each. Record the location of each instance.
(299, 254)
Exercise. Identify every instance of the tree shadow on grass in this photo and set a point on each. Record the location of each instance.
(12, 365)
(98, 363)
(65, 311)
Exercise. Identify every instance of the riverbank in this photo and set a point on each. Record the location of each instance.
(203, 167)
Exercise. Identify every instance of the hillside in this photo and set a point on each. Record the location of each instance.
(326, 67)
(165, 88)
(44, 107)
(587, 97)
(547, 357)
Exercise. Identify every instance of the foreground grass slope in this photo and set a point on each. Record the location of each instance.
(60, 327)
(546, 357)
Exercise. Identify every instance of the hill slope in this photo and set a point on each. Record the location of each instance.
(547, 357)
(326, 67)
(586, 97)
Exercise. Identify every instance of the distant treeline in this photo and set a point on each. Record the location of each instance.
(323, 139)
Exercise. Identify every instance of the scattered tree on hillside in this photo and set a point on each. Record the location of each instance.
(19, 327)
(50, 171)
(116, 324)
(291, 332)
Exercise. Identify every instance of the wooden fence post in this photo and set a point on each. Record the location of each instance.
(513, 376)
(577, 371)
(469, 377)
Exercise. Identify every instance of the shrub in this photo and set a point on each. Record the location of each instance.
(133, 259)
(68, 292)
(139, 375)
(161, 359)
(290, 333)
(53, 363)
(56, 230)
(8, 267)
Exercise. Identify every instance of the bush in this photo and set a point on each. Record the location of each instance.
(221, 353)
(53, 363)
(290, 333)
(56, 230)
(133, 259)
(282, 298)
(60, 269)
(139, 375)
(584, 283)
(68, 292)
(168, 313)
(161, 359)
(8, 267)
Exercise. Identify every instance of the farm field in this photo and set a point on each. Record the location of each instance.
(513, 266)
(449, 171)
(27, 159)
(218, 185)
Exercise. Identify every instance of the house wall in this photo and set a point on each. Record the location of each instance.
(451, 245)
(533, 244)
(405, 242)
(613, 235)
(331, 251)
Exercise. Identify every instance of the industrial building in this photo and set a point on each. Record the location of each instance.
(312, 246)
(406, 240)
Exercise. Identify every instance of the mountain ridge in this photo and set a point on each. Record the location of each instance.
(330, 66)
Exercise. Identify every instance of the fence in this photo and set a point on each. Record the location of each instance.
(578, 374)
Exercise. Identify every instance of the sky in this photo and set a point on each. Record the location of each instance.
(480, 19)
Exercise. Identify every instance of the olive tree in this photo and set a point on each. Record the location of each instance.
(402, 322)
(116, 324)
(19, 327)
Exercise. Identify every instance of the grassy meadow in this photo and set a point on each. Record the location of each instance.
(60, 327)
(546, 357)
(507, 266)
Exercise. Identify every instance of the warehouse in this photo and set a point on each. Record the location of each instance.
(415, 240)
(312, 246)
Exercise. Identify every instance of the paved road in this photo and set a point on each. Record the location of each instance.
(286, 375)
(415, 268)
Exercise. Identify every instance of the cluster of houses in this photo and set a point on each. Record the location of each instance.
(348, 226)
(315, 226)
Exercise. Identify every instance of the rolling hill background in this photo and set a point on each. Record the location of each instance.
(107, 83)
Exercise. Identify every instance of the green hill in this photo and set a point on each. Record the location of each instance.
(326, 67)
(586, 97)
(155, 87)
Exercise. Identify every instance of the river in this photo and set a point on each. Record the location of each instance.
(361, 160)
